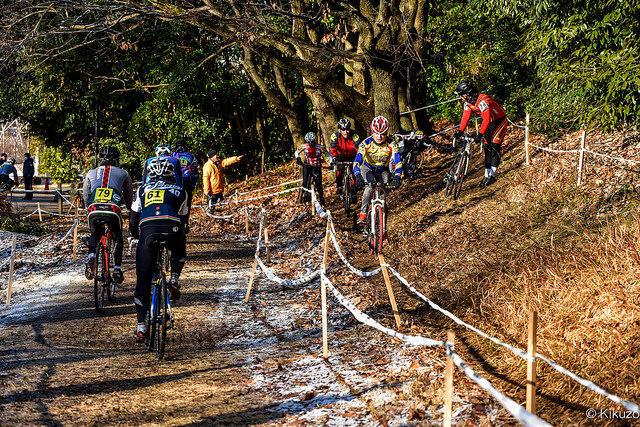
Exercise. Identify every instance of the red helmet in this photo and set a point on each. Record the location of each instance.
(379, 125)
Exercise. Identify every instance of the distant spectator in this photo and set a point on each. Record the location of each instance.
(213, 179)
(5, 170)
(28, 170)
(3, 158)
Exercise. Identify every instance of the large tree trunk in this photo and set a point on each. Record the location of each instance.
(326, 113)
(385, 96)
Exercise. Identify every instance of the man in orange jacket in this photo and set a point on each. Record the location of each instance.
(212, 178)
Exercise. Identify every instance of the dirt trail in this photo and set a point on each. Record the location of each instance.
(227, 362)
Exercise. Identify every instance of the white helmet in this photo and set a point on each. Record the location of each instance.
(160, 167)
(163, 150)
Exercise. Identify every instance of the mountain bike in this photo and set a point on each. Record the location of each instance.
(458, 171)
(375, 228)
(348, 185)
(159, 316)
(104, 285)
(411, 148)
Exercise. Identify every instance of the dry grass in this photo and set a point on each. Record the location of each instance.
(535, 241)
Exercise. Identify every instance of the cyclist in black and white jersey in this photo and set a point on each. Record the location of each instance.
(104, 190)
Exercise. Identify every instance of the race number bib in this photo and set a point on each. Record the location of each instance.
(153, 197)
(103, 195)
(184, 163)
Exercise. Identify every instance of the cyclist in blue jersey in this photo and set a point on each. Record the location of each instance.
(5, 170)
(159, 213)
(372, 162)
(189, 165)
(164, 150)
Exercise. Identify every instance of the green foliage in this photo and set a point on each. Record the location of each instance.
(18, 224)
(59, 163)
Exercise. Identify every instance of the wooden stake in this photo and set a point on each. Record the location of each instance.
(531, 364)
(527, 154)
(246, 221)
(253, 274)
(13, 252)
(448, 384)
(266, 244)
(323, 296)
(392, 297)
(75, 239)
(581, 159)
(39, 212)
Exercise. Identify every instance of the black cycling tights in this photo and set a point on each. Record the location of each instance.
(146, 255)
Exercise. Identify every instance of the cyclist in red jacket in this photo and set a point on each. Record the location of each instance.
(344, 146)
(492, 129)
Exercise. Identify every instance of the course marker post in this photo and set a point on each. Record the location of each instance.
(13, 255)
(253, 274)
(266, 244)
(392, 298)
(246, 221)
(323, 295)
(448, 384)
(39, 212)
(527, 153)
(581, 159)
(531, 363)
(60, 208)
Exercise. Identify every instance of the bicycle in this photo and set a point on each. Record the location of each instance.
(104, 284)
(375, 228)
(348, 185)
(458, 171)
(159, 316)
(411, 147)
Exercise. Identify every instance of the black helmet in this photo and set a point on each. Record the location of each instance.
(11, 161)
(466, 88)
(109, 155)
(180, 146)
(344, 124)
(310, 137)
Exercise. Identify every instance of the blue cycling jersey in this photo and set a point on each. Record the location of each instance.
(189, 165)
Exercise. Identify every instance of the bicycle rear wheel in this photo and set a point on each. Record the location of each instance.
(162, 319)
(461, 174)
(99, 275)
(111, 285)
(151, 318)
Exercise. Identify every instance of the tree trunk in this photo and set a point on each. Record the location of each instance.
(385, 96)
(326, 113)
(257, 115)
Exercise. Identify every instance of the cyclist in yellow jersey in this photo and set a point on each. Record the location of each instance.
(372, 162)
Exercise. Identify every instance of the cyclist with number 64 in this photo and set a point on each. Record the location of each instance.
(104, 189)
(372, 162)
(159, 213)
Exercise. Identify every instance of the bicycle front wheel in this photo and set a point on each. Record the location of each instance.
(162, 319)
(99, 276)
(461, 174)
(346, 187)
(379, 228)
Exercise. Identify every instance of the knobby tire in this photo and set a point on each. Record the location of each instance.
(380, 226)
(151, 316)
(99, 274)
(161, 332)
(111, 286)
(461, 174)
(346, 186)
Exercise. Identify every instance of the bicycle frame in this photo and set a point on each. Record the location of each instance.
(155, 310)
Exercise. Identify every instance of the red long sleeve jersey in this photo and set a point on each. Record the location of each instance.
(489, 109)
(311, 153)
(345, 148)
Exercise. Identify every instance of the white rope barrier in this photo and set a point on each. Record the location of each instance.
(75, 224)
(551, 150)
(288, 282)
(516, 125)
(589, 384)
(222, 217)
(620, 159)
(344, 259)
(432, 105)
(362, 317)
(521, 414)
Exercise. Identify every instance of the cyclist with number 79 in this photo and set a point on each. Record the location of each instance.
(372, 162)
(104, 189)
